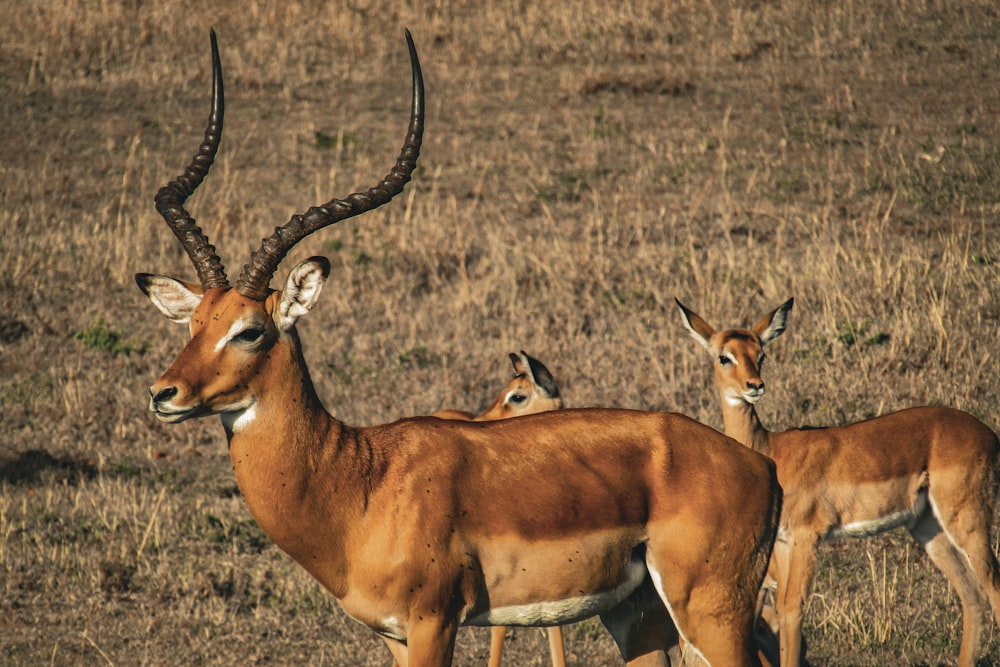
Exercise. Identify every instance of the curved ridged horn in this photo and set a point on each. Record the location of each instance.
(171, 197)
(253, 282)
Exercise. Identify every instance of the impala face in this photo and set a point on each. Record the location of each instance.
(184, 390)
(738, 353)
(737, 366)
(532, 390)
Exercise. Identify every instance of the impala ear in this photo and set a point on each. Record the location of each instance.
(773, 325)
(699, 329)
(541, 376)
(519, 363)
(301, 292)
(174, 298)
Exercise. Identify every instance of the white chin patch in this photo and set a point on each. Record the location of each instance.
(238, 420)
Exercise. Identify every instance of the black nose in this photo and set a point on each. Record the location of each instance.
(755, 386)
(163, 395)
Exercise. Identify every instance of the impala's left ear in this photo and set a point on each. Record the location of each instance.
(773, 324)
(541, 376)
(301, 292)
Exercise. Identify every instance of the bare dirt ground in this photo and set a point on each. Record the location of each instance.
(581, 168)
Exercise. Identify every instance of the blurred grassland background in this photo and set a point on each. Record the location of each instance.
(584, 163)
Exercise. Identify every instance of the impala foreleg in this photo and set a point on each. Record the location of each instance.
(556, 648)
(794, 584)
(497, 634)
(398, 650)
(431, 642)
(767, 624)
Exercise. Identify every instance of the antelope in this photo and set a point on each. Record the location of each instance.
(653, 521)
(532, 390)
(932, 470)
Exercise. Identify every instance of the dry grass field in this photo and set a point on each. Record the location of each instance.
(583, 164)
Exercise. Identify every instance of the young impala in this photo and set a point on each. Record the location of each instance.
(930, 469)
(532, 390)
(423, 525)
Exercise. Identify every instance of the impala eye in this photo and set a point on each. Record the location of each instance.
(518, 398)
(251, 335)
(724, 361)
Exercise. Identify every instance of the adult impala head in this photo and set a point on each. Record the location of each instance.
(247, 321)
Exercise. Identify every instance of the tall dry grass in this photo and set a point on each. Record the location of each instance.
(582, 167)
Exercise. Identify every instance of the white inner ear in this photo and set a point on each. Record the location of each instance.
(173, 298)
(694, 334)
(302, 289)
(776, 328)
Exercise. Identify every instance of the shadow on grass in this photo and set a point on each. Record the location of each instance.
(37, 465)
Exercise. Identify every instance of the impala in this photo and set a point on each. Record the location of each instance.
(930, 469)
(423, 525)
(532, 390)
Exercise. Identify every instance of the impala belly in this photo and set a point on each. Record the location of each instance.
(555, 582)
(897, 506)
(565, 609)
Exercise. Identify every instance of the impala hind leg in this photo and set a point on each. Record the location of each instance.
(642, 628)
(715, 622)
(971, 570)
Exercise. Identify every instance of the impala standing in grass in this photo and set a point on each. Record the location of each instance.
(933, 470)
(423, 525)
(532, 390)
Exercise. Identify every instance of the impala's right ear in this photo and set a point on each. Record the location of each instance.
(174, 298)
(699, 329)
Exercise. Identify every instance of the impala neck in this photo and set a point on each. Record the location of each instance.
(743, 425)
(289, 455)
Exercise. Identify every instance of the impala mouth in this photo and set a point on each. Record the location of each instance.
(748, 397)
(170, 415)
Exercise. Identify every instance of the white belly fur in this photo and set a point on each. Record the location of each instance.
(569, 610)
(881, 524)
